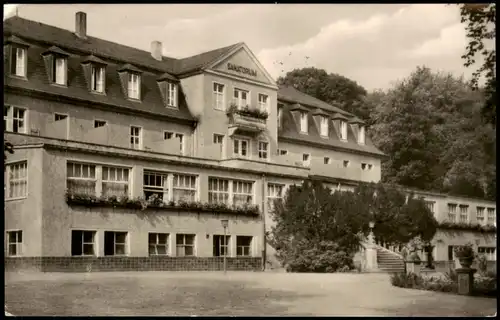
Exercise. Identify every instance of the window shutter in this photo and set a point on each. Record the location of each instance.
(20, 60)
(100, 80)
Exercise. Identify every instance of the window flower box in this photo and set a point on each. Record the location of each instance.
(156, 203)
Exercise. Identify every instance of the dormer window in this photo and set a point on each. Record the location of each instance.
(343, 130)
(134, 85)
(59, 70)
(172, 94)
(361, 135)
(324, 126)
(303, 122)
(18, 62)
(97, 78)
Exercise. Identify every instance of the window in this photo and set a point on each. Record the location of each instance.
(115, 243)
(274, 193)
(180, 136)
(167, 135)
(263, 146)
(242, 193)
(326, 160)
(218, 96)
(97, 79)
(489, 252)
(155, 183)
(218, 191)
(218, 138)
(480, 214)
(81, 178)
(282, 152)
(452, 212)
(135, 138)
(263, 102)
(451, 253)
(324, 126)
(240, 148)
(345, 163)
(303, 122)
(14, 243)
(18, 62)
(17, 176)
(99, 123)
(363, 166)
(306, 159)
(361, 135)
(243, 246)
(185, 245)
(59, 117)
(172, 94)
(221, 246)
(184, 188)
(370, 167)
(134, 85)
(343, 130)
(280, 116)
(491, 216)
(82, 243)
(240, 98)
(158, 244)
(14, 119)
(464, 214)
(430, 205)
(59, 71)
(114, 181)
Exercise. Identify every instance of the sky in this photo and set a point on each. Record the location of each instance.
(372, 44)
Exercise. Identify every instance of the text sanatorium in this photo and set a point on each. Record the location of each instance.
(241, 69)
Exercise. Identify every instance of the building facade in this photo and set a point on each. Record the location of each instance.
(129, 160)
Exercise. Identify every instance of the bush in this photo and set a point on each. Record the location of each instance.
(412, 281)
(485, 286)
(325, 257)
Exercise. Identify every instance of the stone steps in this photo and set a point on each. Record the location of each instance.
(388, 262)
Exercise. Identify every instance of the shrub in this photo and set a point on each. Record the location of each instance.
(325, 257)
(412, 281)
(482, 264)
(406, 280)
(485, 286)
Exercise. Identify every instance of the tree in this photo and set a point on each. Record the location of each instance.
(316, 230)
(428, 124)
(481, 32)
(329, 87)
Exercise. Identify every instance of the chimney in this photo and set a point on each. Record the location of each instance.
(81, 25)
(156, 50)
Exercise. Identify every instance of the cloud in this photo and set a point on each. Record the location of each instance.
(451, 40)
(373, 51)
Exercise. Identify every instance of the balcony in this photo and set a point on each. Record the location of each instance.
(246, 120)
(58, 129)
(336, 170)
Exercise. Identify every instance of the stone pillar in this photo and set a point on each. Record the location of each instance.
(413, 267)
(465, 280)
(371, 253)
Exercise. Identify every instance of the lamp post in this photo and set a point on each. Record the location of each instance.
(224, 225)
(371, 236)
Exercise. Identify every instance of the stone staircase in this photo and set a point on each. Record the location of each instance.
(389, 261)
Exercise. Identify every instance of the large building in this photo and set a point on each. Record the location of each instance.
(130, 160)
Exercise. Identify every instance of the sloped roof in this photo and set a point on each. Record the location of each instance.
(202, 60)
(290, 94)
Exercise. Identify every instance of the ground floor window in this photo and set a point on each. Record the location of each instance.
(185, 245)
(158, 244)
(14, 242)
(243, 246)
(221, 245)
(115, 243)
(489, 252)
(82, 243)
(451, 253)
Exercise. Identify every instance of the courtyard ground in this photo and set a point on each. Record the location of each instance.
(236, 293)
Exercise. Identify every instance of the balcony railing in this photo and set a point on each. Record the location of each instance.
(246, 119)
